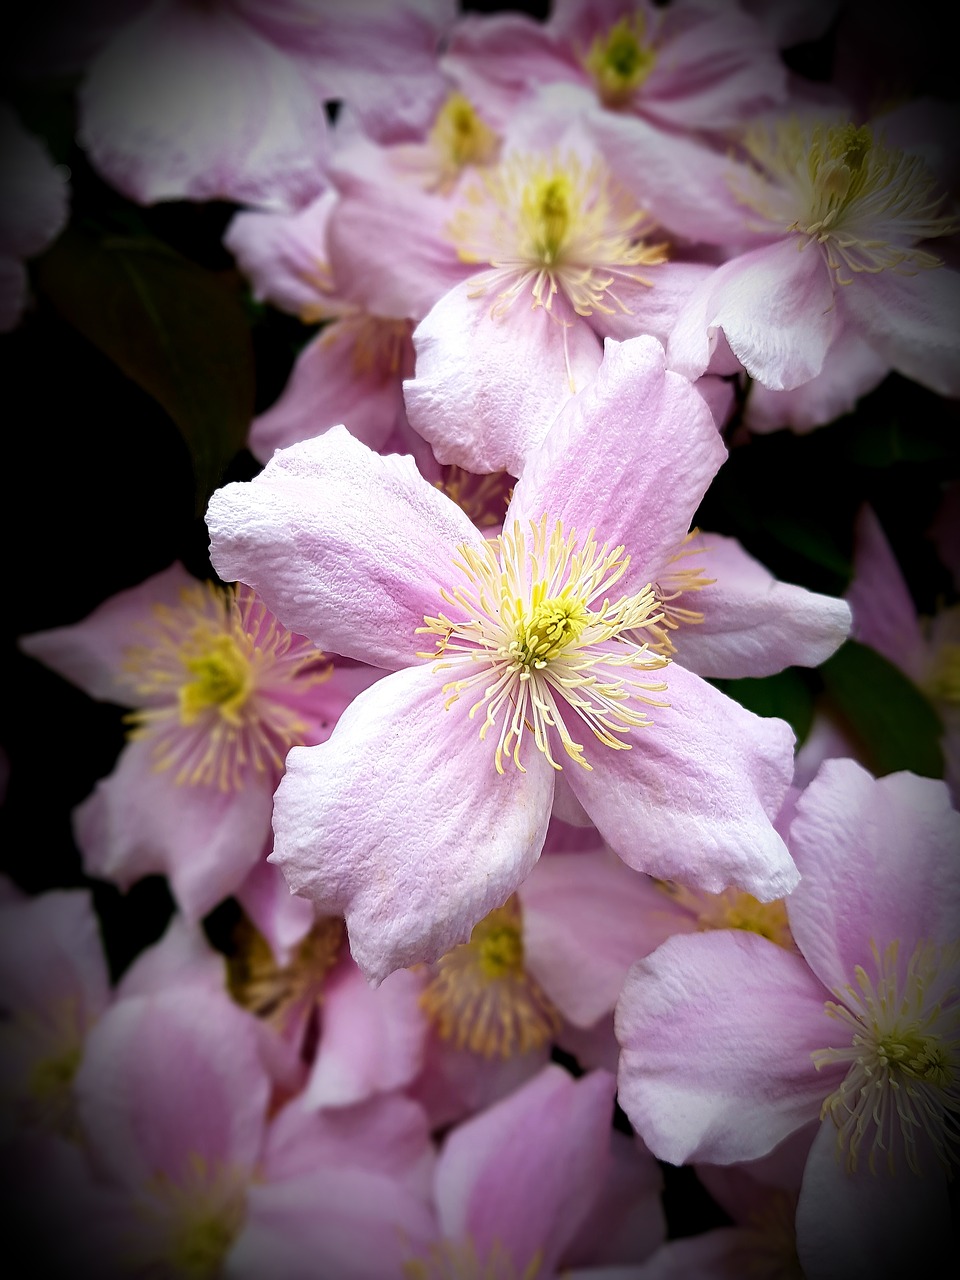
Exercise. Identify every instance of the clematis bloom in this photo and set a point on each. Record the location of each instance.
(430, 805)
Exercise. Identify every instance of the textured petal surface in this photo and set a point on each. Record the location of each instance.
(716, 1032)
(878, 861)
(345, 546)
(694, 798)
(488, 387)
(401, 823)
(638, 419)
(754, 625)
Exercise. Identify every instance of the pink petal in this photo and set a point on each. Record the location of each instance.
(884, 613)
(716, 1032)
(183, 957)
(912, 322)
(660, 433)
(169, 1077)
(36, 192)
(775, 307)
(190, 103)
(91, 653)
(754, 625)
(281, 918)
(283, 255)
(346, 546)
(371, 1039)
(694, 798)
(139, 822)
(852, 1225)
(525, 1171)
(401, 823)
(878, 862)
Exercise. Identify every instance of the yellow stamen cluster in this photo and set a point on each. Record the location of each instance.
(669, 587)
(380, 349)
(734, 909)
(480, 997)
(547, 226)
(903, 1082)
(461, 138)
(534, 636)
(621, 60)
(944, 682)
(194, 1219)
(865, 204)
(272, 991)
(216, 680)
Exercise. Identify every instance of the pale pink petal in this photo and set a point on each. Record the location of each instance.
(188, 102)
(486, 387)
(525, 1171)
(371, 1038)
(334, 1221)
(283, 255)
(586, 919)
(716, 1032)
(913, 322)
(658, 430)
(139, 822)
(716, 67)
(90, 653)
(279, 916)
(333, 380)
(52, 958)
(169, 1077)
(754, 625)
(402, 824)
(774, 305)
(791, 22)
(869, 1225)
(878, 862)
(851, 368)
(457, 1083)
(502, 56)
(592, 1047)
(694, 797)
(685, 185)
(884, 613)
(346, 546)
(183, 958)
(653, 307)
(627, 1220)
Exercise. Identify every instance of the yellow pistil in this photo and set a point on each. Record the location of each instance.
(216, 680)
(865, 204)
(461, 138)
(546, 225)
(484, 498)
(734, 909)
(459, 1260)
(193, 1220)
(273, 991)
(903, 1054)
(621, 60)
(481, 998)
(535, 635)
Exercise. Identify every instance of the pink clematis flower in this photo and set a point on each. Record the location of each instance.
(843, 282)
(220, 692)
(517, 660)
(730, 1043)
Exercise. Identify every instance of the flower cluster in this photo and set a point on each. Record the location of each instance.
(538, 746)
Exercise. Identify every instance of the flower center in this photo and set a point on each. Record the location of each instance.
(195, 1219)
(272, 991)
(461, 138)
(903, 1080)
(459, 1260)
(734, 909)
(620, 61)
(217, 680)
(481, 998)
(546, 226)
(535, 635)
(864, 203)
(944, 684)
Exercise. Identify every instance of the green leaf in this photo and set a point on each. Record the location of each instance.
(786, 695)
(178, 330)
(897, 725)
